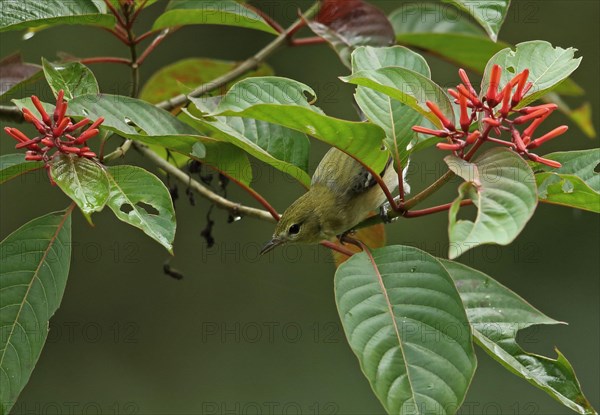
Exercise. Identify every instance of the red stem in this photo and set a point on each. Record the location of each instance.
(138, 11)
(146, 35)
(267, 18)
(256, 196)
(115, 12)
(157, 41)
(118, 35)
(315, 40)
(105, 59)
(434, 209)
(338, 248)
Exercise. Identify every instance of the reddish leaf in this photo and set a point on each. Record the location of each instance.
(347, 24)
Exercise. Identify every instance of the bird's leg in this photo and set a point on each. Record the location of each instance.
(345, 238)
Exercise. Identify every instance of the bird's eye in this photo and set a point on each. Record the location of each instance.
(294, 229)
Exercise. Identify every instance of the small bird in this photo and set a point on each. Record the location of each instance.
(341, 195)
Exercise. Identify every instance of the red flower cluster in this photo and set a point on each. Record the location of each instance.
(494, 120)
(55, 133)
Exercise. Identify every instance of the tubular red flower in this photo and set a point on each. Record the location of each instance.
(529, 110)
(520, 92)
(60, 128)
(32, 156)
(465, 120)
(96, 123)
(506, 95)
(86, 135)
(448, 146)
(440, 115)
(32, 119)
(424, 130)
(38, 105)
(28, 144)
(535, 114)
(492, 92)
(77, 126)
(61, 107)
(454, 93)
(463, 76)
(518, 141)
(16, 134)
(548, 136)
(492, 122)
(472, 97)
(551, 163)
(471, 138)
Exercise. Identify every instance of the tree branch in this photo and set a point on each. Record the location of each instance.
(219, 201)
(244, 67)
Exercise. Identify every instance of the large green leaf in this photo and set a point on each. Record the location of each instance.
(502, 187)
(406, 323)
(394, 117)
(139, 198)
(548, 66)
(83, 180)
(221, 12)
(14, 165)
(489, 14)
(285, 149)
(73, 78)
(447, 34)
(284, 102)
(35, 266)
(15, 75)
(575, 184)
(407, 86)
(496, 315)
(183, 76)
(22, 14)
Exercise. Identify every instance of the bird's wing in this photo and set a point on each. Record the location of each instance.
(356, 179)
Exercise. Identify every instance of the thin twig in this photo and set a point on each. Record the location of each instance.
(104, 59)
(244, 67)
(219, 201)
(157, 40)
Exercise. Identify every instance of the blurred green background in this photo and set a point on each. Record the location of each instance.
(247, 335)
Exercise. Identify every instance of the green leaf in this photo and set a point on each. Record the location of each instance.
(23, 14)
(183, 76)
(221, 12)
(74, 79)
(15, 75)
(285, 149)
(135, 119)
(283, 101)
(548, 66)
(575, 184)
(496, 315)
(35, 266)
(489, 14)
(140, 199)
(14, 165)
(407, 86)
(83, 180)
(406, 324)
(502, 187)
(449, 35)
(394, 117)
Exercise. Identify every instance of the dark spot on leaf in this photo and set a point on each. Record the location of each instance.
(126, 208)
(597, 168)
(511, 69)
(148, 208)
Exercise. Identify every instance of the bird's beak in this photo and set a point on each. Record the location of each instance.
(272, 244)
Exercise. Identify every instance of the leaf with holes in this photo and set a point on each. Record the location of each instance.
(23, 14)
(14, 165)
(35, 266)
(183, 76)
(140, 199)
(73, 78)
(221, 12)
(489, 14)
(284, 102)
(575, 184)
(407, 86)
(502, 187)
(406, 324)
(15, 75)
(348, 24)
(548, 66)
(496, 315)
(394, 117)
(83, 180)
(285, 149)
